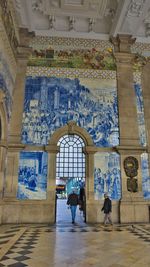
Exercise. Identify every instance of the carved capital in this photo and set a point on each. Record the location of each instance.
(122, 43)
(25, 37)
(16, 147)
(90, 150)
(124, 58)
(23, 52)
(52, 149)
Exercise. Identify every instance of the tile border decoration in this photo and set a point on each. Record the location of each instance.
(139, 47)
(69, 73)
(137, 76)
(70, 42)
(64, 42)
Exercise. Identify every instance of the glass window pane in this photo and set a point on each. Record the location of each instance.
(70, 159)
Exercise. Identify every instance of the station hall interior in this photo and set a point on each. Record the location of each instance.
(74, 117)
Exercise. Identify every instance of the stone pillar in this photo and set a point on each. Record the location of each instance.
(14, 140)
(18, 94)
(3, 141)
(146, 100)
(91, 209)
(51, 181)
(130, 209)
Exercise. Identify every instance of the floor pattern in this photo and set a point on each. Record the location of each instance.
(64, 245)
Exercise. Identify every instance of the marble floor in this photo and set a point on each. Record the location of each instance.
(78, 245)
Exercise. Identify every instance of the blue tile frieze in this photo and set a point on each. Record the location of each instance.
(51, 102)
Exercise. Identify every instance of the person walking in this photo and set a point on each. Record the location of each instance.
(73, 201)
(82, 202)
(107, 208)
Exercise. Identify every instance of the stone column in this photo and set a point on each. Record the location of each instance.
(146, 97)
(128, 126)
(146, 100)
(14, 140)
(3, 141)
(18, 94)
(91, 209)
(51, 182)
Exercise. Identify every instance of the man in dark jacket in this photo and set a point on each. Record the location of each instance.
(73, 201)
(107, 208)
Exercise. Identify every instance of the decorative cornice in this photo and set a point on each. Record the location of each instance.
(130, 149)
(15, 147)
(74, 73)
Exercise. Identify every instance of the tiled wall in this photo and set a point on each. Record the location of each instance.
(51, 102)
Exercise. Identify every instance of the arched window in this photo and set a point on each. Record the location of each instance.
(71, 159)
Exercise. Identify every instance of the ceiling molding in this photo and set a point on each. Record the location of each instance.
(85, 18)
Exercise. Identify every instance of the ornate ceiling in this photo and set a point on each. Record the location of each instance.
(85, 18)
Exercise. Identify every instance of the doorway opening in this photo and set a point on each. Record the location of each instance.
(70, 175)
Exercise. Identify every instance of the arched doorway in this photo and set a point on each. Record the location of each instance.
(70, 175)
(71, 129)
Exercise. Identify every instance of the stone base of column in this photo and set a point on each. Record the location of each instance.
(91, 212)
(134, 210)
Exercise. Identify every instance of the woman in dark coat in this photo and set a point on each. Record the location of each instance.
(107, 208)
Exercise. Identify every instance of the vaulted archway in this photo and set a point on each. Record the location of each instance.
(89, 149)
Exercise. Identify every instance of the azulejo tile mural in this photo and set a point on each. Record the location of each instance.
(91, 58)
(51, 102)
(107, 177)
(140, 113)
(145, 175)
(32, 175)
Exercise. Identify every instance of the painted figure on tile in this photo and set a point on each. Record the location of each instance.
(89, 105)
(32, 175)
(107, 175)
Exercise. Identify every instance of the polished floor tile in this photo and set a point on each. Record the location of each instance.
(82, 245)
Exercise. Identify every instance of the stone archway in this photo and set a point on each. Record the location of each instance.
(71, 128)
(89, 150)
